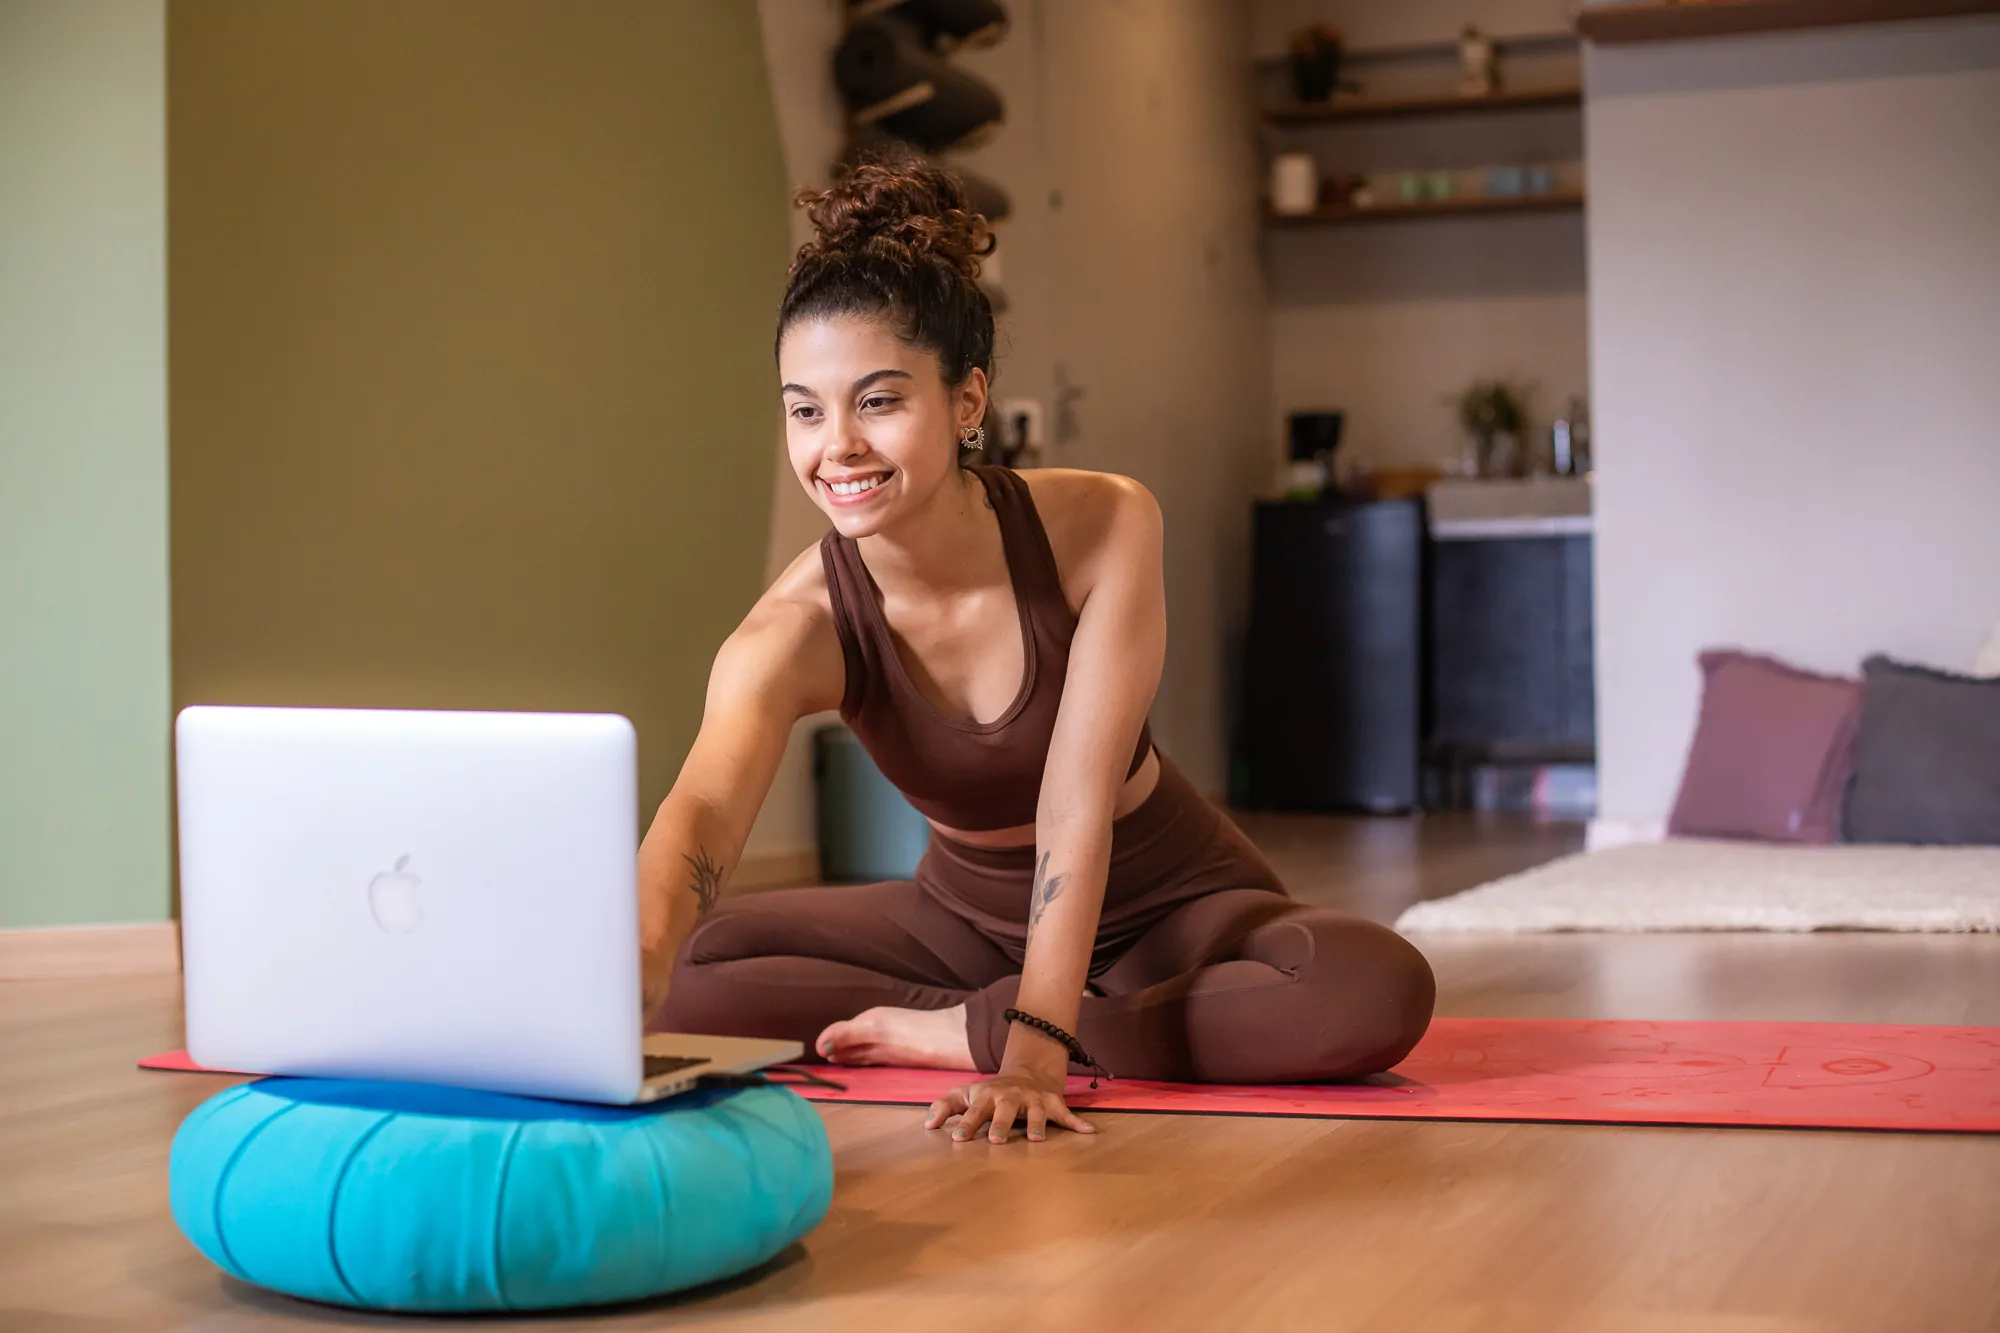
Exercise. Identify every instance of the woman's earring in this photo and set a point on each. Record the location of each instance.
(972, 437)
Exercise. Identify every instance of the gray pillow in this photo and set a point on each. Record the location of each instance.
(1927, 762)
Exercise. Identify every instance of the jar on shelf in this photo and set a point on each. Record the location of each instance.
(1294, 184)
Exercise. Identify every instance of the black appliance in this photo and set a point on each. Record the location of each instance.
(1333, 712)
(1315, 434)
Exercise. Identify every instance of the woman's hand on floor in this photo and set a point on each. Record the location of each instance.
(999, 1101)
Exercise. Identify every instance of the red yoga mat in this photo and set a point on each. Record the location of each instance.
(1767, 1075)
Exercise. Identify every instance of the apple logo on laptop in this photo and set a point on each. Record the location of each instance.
(392, 897)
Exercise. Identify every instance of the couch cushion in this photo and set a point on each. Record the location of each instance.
(1771, 752)
(1927, 764)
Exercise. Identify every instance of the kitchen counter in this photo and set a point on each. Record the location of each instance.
(1475, 509)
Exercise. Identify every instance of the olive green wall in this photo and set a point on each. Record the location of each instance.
(472, 398)
(83, 463)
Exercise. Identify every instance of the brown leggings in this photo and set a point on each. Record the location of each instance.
(1241, 986)
(1204, 970)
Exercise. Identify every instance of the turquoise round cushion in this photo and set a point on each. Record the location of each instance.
(397, 1196)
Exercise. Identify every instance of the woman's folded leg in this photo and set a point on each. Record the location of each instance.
(787, 963)
(1244, 986)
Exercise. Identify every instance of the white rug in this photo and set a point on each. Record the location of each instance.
(1699, 885)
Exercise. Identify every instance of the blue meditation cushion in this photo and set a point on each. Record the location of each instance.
(397, 1196)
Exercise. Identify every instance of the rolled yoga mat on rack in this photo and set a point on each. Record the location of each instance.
(944, 24)
(1751, 1075)
(888, 78)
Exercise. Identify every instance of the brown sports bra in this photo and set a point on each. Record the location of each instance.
(975, 776)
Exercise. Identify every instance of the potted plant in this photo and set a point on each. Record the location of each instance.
(1493, 414)
(1315, 63)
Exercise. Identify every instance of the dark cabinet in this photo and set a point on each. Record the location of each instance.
(1333, 710)
(1384, 666)
(1511, 659)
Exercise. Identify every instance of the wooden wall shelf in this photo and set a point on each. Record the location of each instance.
(1391, 108)
(1468, 206)
(1508, 44)
(1662, 21)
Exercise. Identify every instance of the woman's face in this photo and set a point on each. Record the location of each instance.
(870, 425)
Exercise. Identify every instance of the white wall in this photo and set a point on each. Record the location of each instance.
(1386, 321)
(1156, 307)
(799, 39)
(1369, 320)
(1795, 342)
(1131, 271)
(83, 462)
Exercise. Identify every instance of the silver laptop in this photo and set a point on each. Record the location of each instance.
(425, 897)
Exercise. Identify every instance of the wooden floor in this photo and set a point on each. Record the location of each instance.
(1179, 1222)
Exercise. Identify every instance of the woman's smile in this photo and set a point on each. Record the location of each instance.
(854, 490)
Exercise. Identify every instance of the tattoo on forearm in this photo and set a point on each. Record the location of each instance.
(1047, 889)
(707, 882)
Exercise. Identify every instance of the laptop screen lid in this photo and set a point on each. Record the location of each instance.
(424, 896)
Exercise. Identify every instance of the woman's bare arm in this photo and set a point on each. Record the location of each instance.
(1115, 660)
(781, 664)
(1114, 669)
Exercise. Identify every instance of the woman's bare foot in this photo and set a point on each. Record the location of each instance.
(918, 1038)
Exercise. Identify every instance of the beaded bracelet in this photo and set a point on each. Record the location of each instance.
(1075, 1047)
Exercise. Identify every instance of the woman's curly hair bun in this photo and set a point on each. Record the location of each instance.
(911, 208)
(898, 238)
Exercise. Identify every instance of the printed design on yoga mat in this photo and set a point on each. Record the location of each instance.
(1776, 1075)
(1780, 1075)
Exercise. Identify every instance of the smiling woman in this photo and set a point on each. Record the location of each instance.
(905, 245)
(994, 639)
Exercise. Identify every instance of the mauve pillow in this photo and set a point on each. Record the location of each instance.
(1927, 764)
(1771, 755)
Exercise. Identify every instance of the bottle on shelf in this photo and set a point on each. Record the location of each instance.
(1569, 440)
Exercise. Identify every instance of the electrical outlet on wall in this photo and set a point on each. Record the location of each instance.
(1021, 419)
